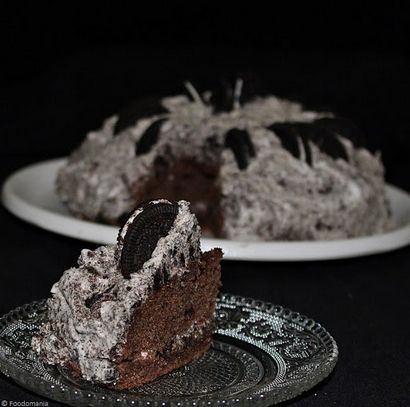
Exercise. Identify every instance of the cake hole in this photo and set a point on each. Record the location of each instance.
(322, 226)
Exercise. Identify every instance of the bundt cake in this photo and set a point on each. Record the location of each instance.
(263, 168)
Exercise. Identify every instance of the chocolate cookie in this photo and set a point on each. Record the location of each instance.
(142, 234)
(239, 141)
(288, 136)
(343, 127)
(149, 138)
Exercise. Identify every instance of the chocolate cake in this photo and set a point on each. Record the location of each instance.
(139, 309)
(258, 168)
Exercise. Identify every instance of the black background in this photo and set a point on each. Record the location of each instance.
(63, 69)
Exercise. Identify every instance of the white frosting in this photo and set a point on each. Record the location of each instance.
(90, 334)
(295, 201)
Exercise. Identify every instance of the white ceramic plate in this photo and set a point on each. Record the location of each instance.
(29, 194)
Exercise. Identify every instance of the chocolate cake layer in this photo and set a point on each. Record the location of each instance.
(190, 180)
(156, 345)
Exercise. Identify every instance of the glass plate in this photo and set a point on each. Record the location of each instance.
(262, 354)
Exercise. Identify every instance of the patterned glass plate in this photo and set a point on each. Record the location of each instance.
(262, 354)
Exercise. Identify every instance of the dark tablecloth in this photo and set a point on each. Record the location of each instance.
(364, 302)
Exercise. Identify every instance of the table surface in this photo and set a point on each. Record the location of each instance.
(364, 302)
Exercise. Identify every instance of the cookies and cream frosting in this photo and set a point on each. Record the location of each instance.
(277, 196)
(91, 306)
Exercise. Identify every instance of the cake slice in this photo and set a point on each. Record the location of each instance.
(139, 309)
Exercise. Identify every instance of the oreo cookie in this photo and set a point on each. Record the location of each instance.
(141, 236)
(288, 136)
(222, 97)
(233, 92)
(239, 141)
(251, 87)
(305, 131)
(328, 142)
(143, 108)
(149, 138)
(344, 128)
